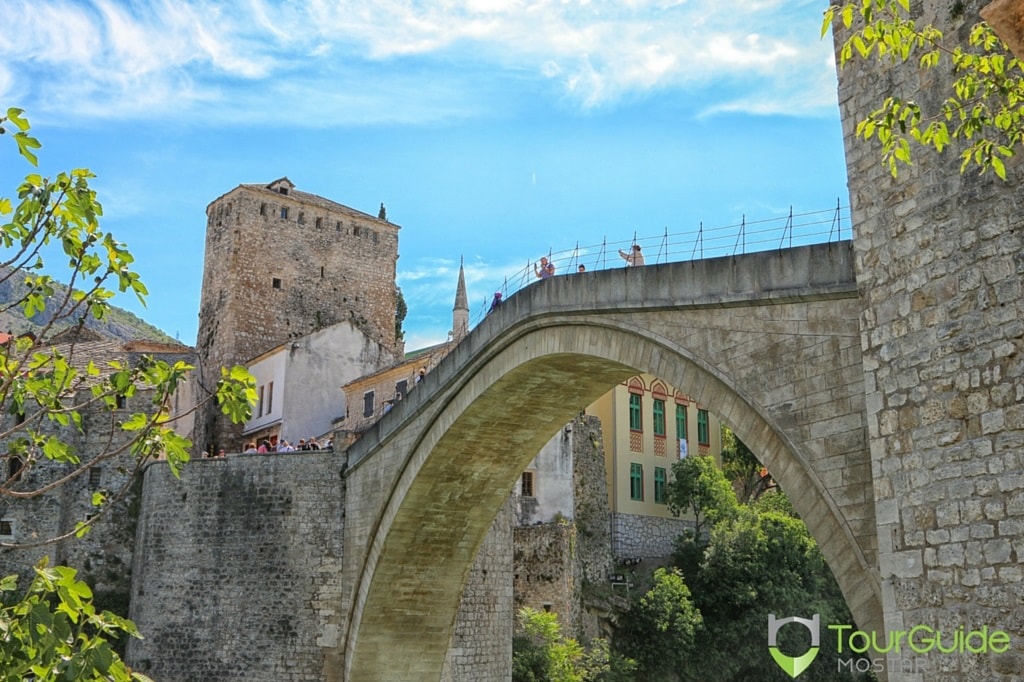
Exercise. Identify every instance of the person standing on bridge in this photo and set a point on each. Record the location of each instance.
(546, 269)
(496, 303)
(634, 258)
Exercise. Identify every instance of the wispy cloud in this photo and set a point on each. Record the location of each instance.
(359, 61)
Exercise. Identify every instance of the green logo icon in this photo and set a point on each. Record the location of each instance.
(793, 666)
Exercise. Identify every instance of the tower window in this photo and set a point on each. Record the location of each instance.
(284, 213)
(263, 208)
(95, 477)
(659, 417)
(319, 223)
(368, 404)
(14, 465)
(681, 422)
(276, 283)
(302, 218)
(7, 528)
(355, 230)
(282, 189)
(121, 402)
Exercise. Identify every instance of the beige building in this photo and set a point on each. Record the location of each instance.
(647, 426)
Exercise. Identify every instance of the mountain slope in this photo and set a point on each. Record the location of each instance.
(117, 324)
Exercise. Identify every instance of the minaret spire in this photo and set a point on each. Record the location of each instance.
(460, 313)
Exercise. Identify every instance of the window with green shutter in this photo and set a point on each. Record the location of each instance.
(636, 481)
(659, 417)
(660, 479)
(635, 418)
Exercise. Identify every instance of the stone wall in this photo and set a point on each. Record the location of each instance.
(545, 576)
(481, 644)
(645, 537)
(939, 266)
(281, 265)
(103, 556)
(563, 566)
(237, 572)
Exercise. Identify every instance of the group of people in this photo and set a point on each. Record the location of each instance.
(274, 445)
(634, 258)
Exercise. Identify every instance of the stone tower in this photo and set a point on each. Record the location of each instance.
(939, 267)
(280, 264)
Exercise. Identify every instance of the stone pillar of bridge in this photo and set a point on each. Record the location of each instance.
(939, 258)
(481, 643)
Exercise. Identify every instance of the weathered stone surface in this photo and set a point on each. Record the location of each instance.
(279, 264)
(434, 473)
(237, 571)
(947, 368)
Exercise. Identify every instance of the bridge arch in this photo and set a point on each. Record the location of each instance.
(447, 463)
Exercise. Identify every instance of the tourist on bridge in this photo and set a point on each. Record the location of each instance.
(634, 258)
(546, 269)
(495, 303)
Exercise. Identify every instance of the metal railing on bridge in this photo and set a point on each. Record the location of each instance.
(746, 236)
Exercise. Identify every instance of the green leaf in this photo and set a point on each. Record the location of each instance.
(25, 146)
(136, 422)
(999, 167)
(14, 115)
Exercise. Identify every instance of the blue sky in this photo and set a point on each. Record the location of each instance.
(493, 130)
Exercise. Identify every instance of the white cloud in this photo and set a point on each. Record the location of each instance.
(119, 58)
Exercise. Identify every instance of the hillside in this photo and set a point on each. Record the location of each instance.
(118, 324)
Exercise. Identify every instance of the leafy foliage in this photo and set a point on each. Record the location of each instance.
(740, 465)
(707, 622)
(543, 654)
(660, 630)
(697, 484)
(53, 633)
(47, 391)
(986, 104)
(45, 388)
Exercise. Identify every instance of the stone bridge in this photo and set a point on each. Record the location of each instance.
(770, 342)
(881, 381)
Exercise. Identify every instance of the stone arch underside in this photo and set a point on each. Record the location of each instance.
(467, 452)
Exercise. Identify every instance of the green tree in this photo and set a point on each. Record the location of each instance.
(699, 485)
(44, 389)
(660, 629)
(401, 310)
(48, 393)
(740, 465)
(53, 633)
(755, 564)
(985, 105)
(543, 654)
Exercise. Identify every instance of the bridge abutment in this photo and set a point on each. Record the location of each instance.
(939, 264)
